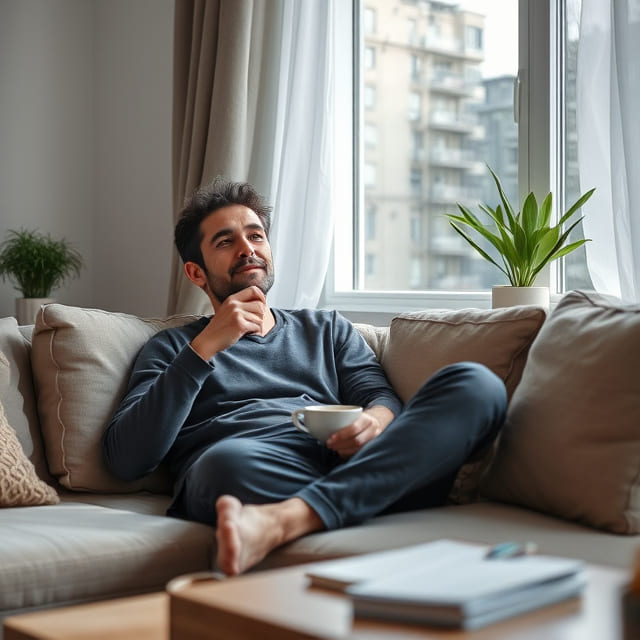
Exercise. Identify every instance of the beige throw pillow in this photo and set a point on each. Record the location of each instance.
(19, 483)
(82, 360)
(422, 343)
(571, 442)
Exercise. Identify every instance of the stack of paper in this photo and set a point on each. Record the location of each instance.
(451, 584)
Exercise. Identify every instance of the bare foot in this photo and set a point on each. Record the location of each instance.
(247, 533)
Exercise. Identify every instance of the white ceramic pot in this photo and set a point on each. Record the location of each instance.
(507, 296)
(26, 308)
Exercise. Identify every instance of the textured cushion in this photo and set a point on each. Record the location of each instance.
(81, 361)
(422, 343)
(19, 483)
(571, 442)
(375, 337)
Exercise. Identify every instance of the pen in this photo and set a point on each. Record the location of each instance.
(506, 550)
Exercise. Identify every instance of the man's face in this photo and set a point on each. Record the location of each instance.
(236, 252)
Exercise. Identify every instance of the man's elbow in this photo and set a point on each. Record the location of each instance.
(117, 463)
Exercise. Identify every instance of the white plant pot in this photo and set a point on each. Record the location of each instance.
(27, 308)
(507, 296)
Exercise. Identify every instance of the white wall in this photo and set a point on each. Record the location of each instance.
(85, 142)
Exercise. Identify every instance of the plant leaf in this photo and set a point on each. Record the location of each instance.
(576, 205)
(508, 208)
(481, 251)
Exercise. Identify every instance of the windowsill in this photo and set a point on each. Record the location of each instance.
(380, 307)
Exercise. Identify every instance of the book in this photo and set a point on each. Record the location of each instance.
(450, 584)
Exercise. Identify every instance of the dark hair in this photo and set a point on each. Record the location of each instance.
(204, 201)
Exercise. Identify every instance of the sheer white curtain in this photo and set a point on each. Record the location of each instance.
(300, 165)
(608, 94)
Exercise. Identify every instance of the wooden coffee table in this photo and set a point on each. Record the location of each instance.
(279, 605)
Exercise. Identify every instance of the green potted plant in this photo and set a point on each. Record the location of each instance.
(525, 240)
(36, 264)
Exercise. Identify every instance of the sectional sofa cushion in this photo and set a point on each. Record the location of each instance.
(19, 483)
(81, 361)
(421, 343)
(571, 442)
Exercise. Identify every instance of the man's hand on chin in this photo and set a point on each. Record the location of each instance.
(240, 314)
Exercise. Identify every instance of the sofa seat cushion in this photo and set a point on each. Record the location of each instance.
(71, 552)
(152, 504)
(482, 522)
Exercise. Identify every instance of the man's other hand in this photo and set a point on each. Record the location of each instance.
(350, 439)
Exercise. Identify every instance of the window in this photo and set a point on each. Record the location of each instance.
(414, 69)
(369, 58)
(370, 135)
(473, 38)
(369, 174)
(370, 223)
(412, 30)
(369, 97)
(461, 120)
(369, 19)
(415, 105)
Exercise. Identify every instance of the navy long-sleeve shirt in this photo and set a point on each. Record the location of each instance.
(177, 404)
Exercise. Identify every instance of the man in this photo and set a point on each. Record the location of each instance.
(214, 399)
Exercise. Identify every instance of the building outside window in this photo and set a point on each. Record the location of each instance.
(459, 120)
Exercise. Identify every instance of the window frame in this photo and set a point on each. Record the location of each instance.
(536, 109)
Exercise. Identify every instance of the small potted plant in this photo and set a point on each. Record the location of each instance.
(36, 264)
(525, 241)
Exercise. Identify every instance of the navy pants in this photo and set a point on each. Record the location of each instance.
(411, 464)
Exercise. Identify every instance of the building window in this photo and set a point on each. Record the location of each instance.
(369, 175)
(415, 105)
(415, 182)
(369, 19)
(370, 135)
(370, 265)
(414, 68)
(369, 97)
(369, 58)
(473, 38)
(415, 230)
(412, 31)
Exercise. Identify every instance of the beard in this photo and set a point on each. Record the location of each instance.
(222, 288)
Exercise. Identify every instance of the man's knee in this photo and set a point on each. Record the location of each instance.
(481, 383)
(469, 386)
(218, 469)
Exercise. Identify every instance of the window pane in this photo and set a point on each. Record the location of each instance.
(436, 86)
(576, 275)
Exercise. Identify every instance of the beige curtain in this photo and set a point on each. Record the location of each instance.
(218, 65)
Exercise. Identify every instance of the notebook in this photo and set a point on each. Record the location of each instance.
(449, 583)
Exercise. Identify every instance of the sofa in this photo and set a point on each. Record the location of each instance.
(563, 472)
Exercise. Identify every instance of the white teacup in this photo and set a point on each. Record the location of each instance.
(323, 420)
